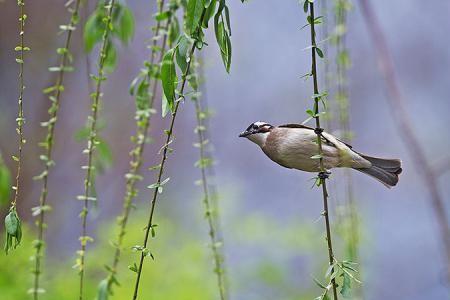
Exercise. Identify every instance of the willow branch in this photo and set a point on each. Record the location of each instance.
(20, 116)
(56, 91)
(91, 146)
(165, 150)
(204, 163)
(323, 172)
(342, 98)
(132, 177)
(398, 108)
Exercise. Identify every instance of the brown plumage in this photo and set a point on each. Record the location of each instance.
(293, 145)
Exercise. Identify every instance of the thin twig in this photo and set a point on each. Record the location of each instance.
(318, 130)
(398, 108)
(137, 152)
(342, 98)
(92, 143)
(20, 116)
(204, 163)
(165, 150)
(48, 145)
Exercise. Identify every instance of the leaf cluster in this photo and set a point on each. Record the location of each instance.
(345, 273)
(13, 229)
(198, 15)
(122, 28)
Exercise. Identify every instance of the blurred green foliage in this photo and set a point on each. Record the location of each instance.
(5, 183)
(273, 255)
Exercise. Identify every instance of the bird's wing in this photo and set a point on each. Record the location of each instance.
(295, 126)
(327, 140)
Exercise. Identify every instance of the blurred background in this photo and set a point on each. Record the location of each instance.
(271, 222)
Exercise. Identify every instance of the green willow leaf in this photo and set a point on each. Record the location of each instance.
(111, 58)
(209, 13)
(93, 32)
(169, 77)
(223, 39)
(346, 286)
(13, 230)
(125, 26)
(102, 291)
(194, 13)
(174, 31)
(181, 53)
(227, 19)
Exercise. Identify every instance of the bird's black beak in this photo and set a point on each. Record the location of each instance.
(244, 134)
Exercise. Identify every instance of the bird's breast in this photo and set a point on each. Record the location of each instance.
(293, 148)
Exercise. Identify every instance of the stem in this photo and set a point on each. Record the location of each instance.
(163, 161)
(344, 120)
(319, 143)
(20, 116)
(137, 152)
(209, 214)
(48, 145)
(326, 65)
(398, 108)
(91, 145)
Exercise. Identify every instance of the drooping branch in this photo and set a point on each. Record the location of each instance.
(144, 89)
(55, 92)
(198, 14)
(342, 98)
(12, 221)
(204, 163)
(323, 175)
(92, 142)
(399, 112)
(159, 181)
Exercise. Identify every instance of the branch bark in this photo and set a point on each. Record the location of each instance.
(323, 173)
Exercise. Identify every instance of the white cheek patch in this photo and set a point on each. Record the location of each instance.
(259, 138)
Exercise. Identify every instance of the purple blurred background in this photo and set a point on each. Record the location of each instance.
(401, 253)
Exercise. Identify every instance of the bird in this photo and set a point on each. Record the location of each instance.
(295, 146)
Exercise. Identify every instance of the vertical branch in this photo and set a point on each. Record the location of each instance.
(323, 175)
(204, 163)
(92, 142)
(55, 92)
(342, 98)
(165, 149)
(145, 98)
(20, 117)
(326, 64)
(398, 108)
(12, 220)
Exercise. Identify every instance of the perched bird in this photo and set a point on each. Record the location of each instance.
(293, 146)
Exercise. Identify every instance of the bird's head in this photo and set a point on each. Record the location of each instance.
(257, 132)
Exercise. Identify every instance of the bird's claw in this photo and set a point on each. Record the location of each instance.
(324, 175)
(318, 131)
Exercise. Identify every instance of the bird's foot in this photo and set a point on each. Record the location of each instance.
(318, 131)
(324, 175)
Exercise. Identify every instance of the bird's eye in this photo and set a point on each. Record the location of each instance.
(255, 126)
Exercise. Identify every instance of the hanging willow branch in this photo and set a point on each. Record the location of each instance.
(351, 223)
(12, 221)
(55, 92)
(159, 182)
(144, 88)
(204, 163)
(323, 174)
(398, 108)
(198, 14)
(92, 142)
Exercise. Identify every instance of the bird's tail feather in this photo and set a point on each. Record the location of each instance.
(384, 170)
